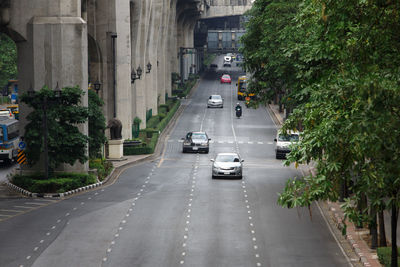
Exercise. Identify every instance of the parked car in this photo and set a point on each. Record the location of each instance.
(226, 78)
(215, 101)
(196, 142)
(283, 142)
(227, 165)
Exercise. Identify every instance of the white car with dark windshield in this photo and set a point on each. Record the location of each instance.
(284, 141)
(228, 165)
(215, 101)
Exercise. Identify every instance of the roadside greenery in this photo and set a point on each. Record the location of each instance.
(335, 63)
(8, 60)
(66, 144)
(97, 125)
(58, 183)
(147, 140)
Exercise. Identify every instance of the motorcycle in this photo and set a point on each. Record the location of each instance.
(247, 101)
(238, 111)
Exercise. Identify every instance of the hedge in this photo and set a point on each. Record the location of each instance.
(59, 183)
(154, 132)
(144, 149)
(385, 254)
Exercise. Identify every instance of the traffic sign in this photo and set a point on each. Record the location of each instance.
(21, 145)
(21, 157)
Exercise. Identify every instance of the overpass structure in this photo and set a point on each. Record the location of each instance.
(78, 42)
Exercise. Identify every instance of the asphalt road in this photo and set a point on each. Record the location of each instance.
(169, 212)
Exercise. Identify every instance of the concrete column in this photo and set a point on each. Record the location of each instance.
(123, 68)
(59, 55)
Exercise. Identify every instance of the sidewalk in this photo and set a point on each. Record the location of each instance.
(333, 215)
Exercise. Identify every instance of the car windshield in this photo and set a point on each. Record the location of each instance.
(288, 137)
(215, 97)
(225, 76)
(227, 158)
(200, 136)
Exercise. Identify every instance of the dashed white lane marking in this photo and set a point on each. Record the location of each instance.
(34, 203)
(28, 257)
(250, 143)
(36, 248)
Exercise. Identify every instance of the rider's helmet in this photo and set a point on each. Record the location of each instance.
(237, 104)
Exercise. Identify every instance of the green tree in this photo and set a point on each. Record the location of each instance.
(97, 125)
(344, 81)
(8, 59)
(66, 144)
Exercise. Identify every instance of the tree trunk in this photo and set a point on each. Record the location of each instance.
(361, 204)
(382, 232)
(394, 234)
(373, 228)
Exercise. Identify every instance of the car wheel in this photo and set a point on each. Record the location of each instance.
(213, 177)
(207, 150)
(277, 156)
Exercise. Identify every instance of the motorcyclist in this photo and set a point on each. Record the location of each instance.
(238, 110)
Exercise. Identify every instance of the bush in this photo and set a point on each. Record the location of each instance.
(145, 149)
(153, 121)
(385, 254)
(59, 183)
(103, 168)
(164, 107)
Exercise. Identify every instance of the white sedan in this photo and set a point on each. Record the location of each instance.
(227, 165)
(215, 101)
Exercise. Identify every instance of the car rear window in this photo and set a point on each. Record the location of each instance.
(215, 97)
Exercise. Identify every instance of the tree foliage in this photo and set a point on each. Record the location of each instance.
(66, 144)
(8, 59)
(340, 67)
(97, 125)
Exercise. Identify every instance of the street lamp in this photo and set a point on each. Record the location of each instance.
(97, 86)
(148, 67)
(135, 75)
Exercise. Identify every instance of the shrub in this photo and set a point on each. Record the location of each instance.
(59, 183)
(103, 168)
(153, 121)
(385, 254)
(164, 107)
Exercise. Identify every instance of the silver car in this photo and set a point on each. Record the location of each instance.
(196, 142)
(215, 101)
(227, 165)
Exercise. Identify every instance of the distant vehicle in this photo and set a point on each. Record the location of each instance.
(242, 91)
(9, 139)
(213, 66)
(227, 64)
(7, 113)
(14, 109)
(196, 142)
(227, 165)
(215, 101)
(228, 58)
(283, 142)
(226, 78)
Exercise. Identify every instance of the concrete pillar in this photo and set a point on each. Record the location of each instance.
(58, 54)
(123, 68)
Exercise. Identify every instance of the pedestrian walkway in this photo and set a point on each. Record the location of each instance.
(355, 237)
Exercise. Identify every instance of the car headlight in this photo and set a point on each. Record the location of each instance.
(281, 147)
(186, 144)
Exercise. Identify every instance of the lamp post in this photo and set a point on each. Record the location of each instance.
(148, 67)
(97, 86)
(135, 75)
(45, 104)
